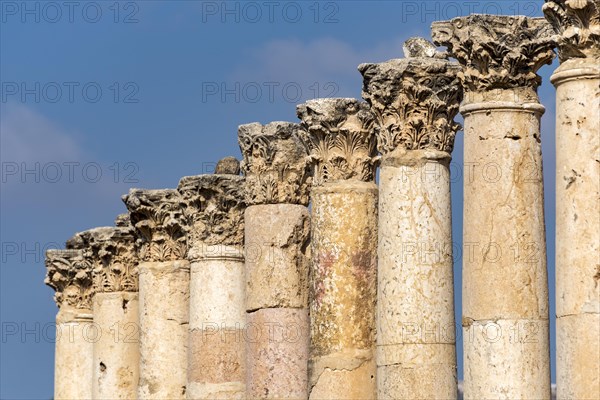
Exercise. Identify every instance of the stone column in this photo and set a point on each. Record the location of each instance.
(505, 289)
(217, 352)
(112, 253)
(343, 276)
(276, 240)
(577, 81)
(164, 276)
(415, 101)
(70, 276)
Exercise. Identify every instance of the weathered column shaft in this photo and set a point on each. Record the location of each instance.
(73, 360)
(163, 292)
(416, 355)
(217, 353)
(116, 351)
(276, 240)
(71, 276)
(343, 273)
(277, 332)
(505, 330)
(505, 290)
(577, 83)
(164, 310)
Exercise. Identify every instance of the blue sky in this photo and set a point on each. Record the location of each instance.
(98, 97)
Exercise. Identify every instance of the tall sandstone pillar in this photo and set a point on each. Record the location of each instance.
(505, 289)
(577, 81)
(217, 353)
(277, 227)
(343, 276)
(115, 308)
(164, 276)
(415, 101)
(70, 275)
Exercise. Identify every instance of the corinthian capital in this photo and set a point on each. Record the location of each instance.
(414, 101)
(70, 275)
(159, 217)
(340, 137)
(275, 164)
(577, 23)
(215, 208)
(497, 51)
(112, 253)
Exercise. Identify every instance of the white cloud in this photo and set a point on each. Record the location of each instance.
(28, 136)
(321, 60)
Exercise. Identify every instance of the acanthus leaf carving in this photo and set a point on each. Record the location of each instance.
(159, 217)
(415, 101)
(69, 273)
(340, 136)
(214, 207)
(275, 164)
(497, 51)
(113, 255)
(577, 25)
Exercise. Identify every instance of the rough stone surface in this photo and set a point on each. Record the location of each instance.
(415, 300)
(217, 353)
(504, 245)
(341, 141)
(277, 358)
(339, 136)
(217, 362)
(577, 83)
(73, 361)
(112, 252)
(343, 290)
(577, 25)
(402, 91)
(214, 212)
(69, 273)
(276, 248)
(116, 352)
(164, 311)
(418, 47)
(228, 166)
(415, 101)
(514, 354)
(497, 51)
(275, 164)
(158, 216)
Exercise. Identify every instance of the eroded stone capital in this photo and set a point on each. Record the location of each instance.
(497, 51)
(340, 137)
(414, 101)
(214, 206)
(276, 164)
(159, 217)
(113, 254)
(577, 24)
(69, 273)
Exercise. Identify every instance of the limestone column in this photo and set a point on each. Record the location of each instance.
(343, 273)
(164, 275)
(415, 101)
(217, 352)
(505, 289)
(577, 81)
(115, 308)
(70, 276)
(278, 179)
